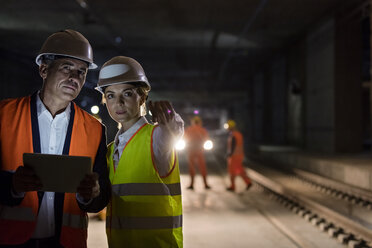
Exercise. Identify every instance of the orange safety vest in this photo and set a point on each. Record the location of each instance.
(239, 149)
(19, 133)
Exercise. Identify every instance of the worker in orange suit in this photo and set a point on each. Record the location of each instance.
(195, 136)
(235, 156)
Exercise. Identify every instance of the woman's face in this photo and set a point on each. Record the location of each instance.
(123, 104)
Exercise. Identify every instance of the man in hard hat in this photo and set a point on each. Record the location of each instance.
(49, 122)
(235, 156)
(195, 136)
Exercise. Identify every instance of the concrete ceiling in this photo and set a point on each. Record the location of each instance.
(200, 45)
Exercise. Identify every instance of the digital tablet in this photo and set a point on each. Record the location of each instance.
(58, 173)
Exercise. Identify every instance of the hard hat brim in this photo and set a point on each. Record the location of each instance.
(91, 64)
(100, 88)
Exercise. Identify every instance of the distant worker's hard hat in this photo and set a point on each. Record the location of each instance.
(196, 119)
(121, 70)
(67, 43)
(231, 123)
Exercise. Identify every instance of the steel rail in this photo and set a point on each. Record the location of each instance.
(330, 215)
(352, 190)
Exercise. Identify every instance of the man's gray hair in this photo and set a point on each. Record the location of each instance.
(47, 58)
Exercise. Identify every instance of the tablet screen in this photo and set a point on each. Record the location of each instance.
(58, 173)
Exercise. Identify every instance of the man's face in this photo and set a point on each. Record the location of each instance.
(63, 78)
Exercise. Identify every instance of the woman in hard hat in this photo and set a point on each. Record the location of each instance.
(195, 136)
(235, 156)
(145, 209)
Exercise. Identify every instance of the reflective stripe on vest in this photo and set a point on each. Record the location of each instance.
(162, 222)
(17, 213)
(75, 221)
(146, 189)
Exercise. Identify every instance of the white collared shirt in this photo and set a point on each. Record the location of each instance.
(163, 141)
(52, 139)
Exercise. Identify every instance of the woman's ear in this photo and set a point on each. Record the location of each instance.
(43, 71)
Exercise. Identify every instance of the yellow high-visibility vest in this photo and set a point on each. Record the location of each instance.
(145, 209)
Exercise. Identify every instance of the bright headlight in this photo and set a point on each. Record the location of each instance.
(208, 145)
(180, 144)
(94, 109)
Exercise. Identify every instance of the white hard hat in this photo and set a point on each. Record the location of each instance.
(119, 70)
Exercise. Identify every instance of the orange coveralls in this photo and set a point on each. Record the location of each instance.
(195, 136)
(235, 159)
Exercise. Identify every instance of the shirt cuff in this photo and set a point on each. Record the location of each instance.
(81, 200)
(17, 195)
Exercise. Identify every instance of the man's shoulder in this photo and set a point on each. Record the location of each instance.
(237, 133)
(13, 102)
(87, 117)
(201, 129)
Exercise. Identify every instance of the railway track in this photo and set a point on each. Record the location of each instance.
(343, 211)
